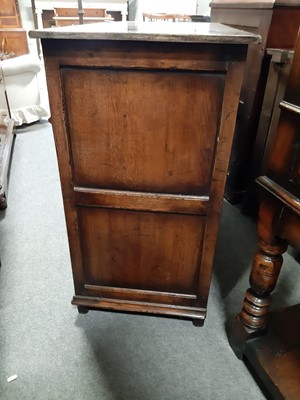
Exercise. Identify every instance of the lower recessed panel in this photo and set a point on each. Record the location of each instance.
(141, 250)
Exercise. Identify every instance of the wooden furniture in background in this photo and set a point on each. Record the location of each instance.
(277, 22)
(275, 355)
(43, 10)
(9, 14)
(143, 124)
(275, 88)
(69, 16)
(13, 39)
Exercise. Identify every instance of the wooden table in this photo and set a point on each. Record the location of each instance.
(143, 118)
(271, 341)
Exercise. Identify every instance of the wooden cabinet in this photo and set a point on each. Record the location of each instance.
(277, 22)
(13, 39)
(143, 119)
(9, 14)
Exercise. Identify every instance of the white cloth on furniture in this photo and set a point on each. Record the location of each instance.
(20, 81)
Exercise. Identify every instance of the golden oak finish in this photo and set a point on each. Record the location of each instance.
(13, 39)
(143, 128)
(10, 14)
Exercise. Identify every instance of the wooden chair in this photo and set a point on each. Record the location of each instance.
(69, 16)
(166, 17)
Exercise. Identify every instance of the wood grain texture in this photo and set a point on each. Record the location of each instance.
(140, 295)
(281, 157)
(143, 132)
(275, 89)
(14, 41)
(227, 124)
(165, 147)
(289, 228)
(257, 20)
(10, 14)
(141, 201)
(284, 27)
(278, 25)
(140, 55)
(289, 200)
(139, 307)
(58, 118)
(141, 250)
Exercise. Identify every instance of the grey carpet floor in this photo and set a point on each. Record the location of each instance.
(60, 354)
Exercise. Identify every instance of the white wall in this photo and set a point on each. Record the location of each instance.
(27, 22)
(132, 10)
(203, 7)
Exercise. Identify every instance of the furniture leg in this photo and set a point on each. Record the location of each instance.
(198, 322)
(252, 320)
(82, 310)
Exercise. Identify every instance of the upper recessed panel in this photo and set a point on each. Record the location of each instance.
(147, 131)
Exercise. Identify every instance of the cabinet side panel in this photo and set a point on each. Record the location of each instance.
(143, 130)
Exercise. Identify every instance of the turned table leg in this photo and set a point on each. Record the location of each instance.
(252, 320)
(265, 270)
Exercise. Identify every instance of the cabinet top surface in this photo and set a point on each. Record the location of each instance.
(192, 32)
